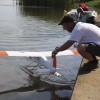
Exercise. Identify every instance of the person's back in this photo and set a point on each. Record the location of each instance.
(85, 32)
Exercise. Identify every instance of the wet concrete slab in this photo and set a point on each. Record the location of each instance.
(87, 85)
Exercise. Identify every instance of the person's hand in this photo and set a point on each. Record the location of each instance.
(55, 52)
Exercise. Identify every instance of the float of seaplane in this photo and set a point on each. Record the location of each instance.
(45, 69)
(83, 13)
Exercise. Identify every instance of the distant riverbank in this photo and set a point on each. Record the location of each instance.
(92, 3)
(58, 3)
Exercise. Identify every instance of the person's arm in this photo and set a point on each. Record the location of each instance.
(65, 46)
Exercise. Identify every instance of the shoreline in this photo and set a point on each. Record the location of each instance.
(87, 85)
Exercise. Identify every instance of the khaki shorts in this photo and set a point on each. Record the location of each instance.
(92, 48)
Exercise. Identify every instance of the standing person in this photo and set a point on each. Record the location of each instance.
(88, 38)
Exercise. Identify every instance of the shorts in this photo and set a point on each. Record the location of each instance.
(92, 48)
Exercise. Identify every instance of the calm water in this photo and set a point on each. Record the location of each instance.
(27, 29)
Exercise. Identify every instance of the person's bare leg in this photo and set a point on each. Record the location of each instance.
(83, 53)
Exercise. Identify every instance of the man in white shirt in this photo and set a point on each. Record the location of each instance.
(88, 38)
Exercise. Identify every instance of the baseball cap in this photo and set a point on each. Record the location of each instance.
(66, 19)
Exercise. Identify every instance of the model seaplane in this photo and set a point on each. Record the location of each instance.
(46, 66)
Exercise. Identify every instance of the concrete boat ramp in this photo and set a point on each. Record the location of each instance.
(87, 86)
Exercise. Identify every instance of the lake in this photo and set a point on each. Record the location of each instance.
(28, 29)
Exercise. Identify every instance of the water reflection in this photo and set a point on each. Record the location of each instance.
(42, 13)
(56, 92)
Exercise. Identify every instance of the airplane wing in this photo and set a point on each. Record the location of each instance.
(36, 54)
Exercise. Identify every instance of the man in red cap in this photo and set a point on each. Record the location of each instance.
(88, 38)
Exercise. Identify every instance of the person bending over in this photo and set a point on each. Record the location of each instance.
(88, 38)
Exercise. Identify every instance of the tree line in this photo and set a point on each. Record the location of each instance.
(53, 3)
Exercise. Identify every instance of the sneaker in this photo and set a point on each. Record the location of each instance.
(89, 66)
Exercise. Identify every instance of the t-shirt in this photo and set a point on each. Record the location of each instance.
(85, 33)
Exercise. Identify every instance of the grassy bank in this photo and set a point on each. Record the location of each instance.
(58, 3)
(46, 3)
(92, 3)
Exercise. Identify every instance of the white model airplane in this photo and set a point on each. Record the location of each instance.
(49, 66)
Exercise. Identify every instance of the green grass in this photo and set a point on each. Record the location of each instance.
(92, 3)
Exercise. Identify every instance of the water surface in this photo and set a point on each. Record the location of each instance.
(27, 29)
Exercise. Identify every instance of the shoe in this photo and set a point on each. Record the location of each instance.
(89, 66)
